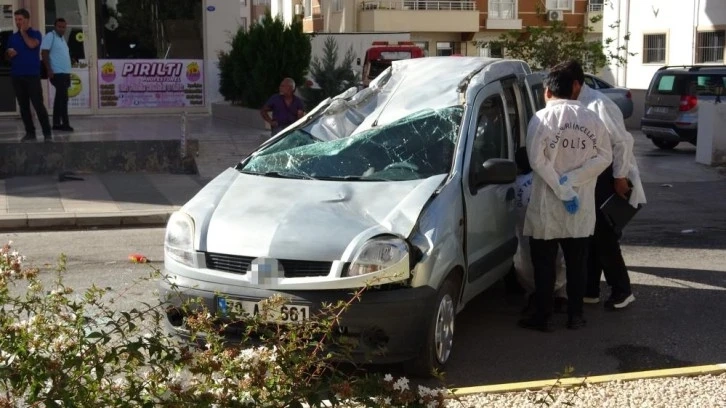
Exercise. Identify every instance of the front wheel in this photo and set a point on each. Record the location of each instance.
(665, 144)
(440, 335)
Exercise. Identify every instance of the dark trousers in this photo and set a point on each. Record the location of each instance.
(27, 91)
(544, 258)
(61, 82)
(605, 254)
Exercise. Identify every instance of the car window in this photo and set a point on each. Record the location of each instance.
(512, 111)
(590, 82)
(601, 84)
(417, 146)
(490, 140)
(707, 85)
(669, 84)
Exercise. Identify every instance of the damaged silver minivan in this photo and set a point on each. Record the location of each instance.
(406, 185)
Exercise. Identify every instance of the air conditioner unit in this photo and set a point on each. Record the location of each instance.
(555, 15)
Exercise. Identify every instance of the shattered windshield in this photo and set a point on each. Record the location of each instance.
(417, 146)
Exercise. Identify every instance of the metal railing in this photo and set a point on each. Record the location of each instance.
(418, 5)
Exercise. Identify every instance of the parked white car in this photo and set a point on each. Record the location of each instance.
(406, 185)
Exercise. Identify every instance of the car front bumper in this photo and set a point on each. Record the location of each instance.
(394, 319)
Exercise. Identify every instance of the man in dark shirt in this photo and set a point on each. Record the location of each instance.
(286, 108)
(24, 54)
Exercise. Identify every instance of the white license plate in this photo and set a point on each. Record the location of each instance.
(659, 109)
(280, 314)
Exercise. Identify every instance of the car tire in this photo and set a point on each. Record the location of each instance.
(665, 144)
(439, 335)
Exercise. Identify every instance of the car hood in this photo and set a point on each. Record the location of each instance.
(243, 214)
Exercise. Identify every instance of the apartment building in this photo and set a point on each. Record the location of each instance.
(661, 34)
(440, 27)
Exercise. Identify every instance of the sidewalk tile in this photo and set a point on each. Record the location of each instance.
(134, 191)
(34, 194)
(3, 198)
(87, 195)
(178, 189)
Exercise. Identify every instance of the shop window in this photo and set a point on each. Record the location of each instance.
(447, 48)
(149, 29)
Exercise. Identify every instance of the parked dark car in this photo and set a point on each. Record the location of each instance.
(671, 103)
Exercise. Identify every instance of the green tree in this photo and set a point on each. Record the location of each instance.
(332, 78)
(545, 46)
(261, 57)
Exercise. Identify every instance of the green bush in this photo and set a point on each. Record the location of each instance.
(61, 349)
(261, 57)
(332, 78)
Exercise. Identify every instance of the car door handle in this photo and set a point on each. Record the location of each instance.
(510, 194)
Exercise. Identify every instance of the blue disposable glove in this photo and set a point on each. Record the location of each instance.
(572, 205)
(563, 180)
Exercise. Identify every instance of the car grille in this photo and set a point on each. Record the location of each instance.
(293, 268)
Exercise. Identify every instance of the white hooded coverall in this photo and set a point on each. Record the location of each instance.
(564, 139)
(624, 164)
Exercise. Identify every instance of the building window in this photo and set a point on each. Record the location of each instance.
(491, 50)
(709, 46)
(595, 5)
(243, 23)
(654, 48)
(445, 49)
(559, 4)
(308, 6)
(502, 9)
(130, 29)
(337, 5)
(243, 3)
(424, 45)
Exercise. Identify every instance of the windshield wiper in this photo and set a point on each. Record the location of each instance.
(353, 178)
(280, 174)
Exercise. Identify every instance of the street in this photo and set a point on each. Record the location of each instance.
(674, 249)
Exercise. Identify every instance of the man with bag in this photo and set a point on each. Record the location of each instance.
(568, 148)
(24, 58)
(57, 61)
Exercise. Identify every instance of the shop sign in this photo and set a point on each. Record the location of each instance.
(79, 93)
(150, 83)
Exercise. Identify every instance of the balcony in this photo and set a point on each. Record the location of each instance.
(594, 10)
(418, 16)
(502, 16)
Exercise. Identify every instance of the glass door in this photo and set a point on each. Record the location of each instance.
(80, 44)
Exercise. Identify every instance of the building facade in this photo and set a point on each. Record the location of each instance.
(663, 34)
(440, 27)
(134, 56)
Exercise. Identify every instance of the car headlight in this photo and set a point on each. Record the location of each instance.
(377, 254)
(179, 240)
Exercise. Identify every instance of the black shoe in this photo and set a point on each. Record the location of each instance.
(576, 322)
(66, 128)
(29, 137)
(535, 323)
(48, 139)
(57, 127)
(560, 304)
(530, 308)
(617, 302)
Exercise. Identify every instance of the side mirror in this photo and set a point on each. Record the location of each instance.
(496, 171)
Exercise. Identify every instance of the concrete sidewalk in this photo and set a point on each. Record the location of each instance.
(99, 200)
(120, 199)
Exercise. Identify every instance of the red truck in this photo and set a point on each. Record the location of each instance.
(382, 54)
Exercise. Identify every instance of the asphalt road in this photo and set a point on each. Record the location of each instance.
(675, 249)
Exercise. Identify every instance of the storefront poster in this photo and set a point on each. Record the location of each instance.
(79, 93)
(150, 83)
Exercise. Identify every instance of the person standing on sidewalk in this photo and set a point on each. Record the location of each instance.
(285, 106)
(24, 58)
(57, 60)
(567, 148)
(605, 254)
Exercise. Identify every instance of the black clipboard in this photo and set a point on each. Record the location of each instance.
(618, 212)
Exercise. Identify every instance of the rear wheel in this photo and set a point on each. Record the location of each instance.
(440, 334)
(665, 144)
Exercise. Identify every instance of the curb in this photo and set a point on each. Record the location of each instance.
(22, 221)
(563, 382)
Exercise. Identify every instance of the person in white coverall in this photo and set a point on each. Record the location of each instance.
(523, 268)
(568, 148)
(605, 254)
